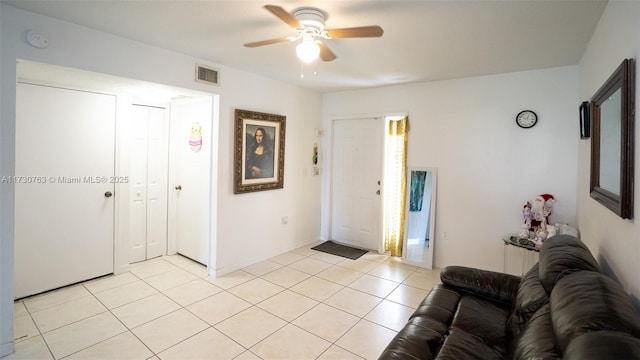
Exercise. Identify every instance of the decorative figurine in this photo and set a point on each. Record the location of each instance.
(527, 214)
(541, 209)
(524, 232)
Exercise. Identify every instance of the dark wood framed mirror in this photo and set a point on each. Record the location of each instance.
(612, 141)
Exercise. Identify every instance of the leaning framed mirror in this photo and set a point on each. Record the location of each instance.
(420, 217)
(612, 141)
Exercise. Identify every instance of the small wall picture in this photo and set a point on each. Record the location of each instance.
(258, 151)
(195, 137)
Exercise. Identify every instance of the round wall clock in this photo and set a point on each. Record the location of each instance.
(526, 119)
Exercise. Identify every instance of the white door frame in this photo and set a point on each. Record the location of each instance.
(330, 167)
(172, 234)
(143, 253)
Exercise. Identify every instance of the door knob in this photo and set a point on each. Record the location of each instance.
(378, 192)
(178, 187)
(108, 194)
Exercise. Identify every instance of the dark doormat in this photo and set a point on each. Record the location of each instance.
(341, 250)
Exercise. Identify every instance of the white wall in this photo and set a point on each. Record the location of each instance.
(7, 137)
(615, 242)
(242, 220)
(488, 167)
(250, 226)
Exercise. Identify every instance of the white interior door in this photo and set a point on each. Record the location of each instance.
(157, 182)
(138, 125)
(190, 178)
(149, 158)
(357, 173)
(65, 146)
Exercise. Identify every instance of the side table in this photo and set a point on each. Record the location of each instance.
(512, 239)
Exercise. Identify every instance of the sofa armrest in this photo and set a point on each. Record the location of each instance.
(491, 285)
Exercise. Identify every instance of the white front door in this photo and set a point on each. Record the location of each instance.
(356, 182)
(64, 205)
(190, 178)
(149, 159)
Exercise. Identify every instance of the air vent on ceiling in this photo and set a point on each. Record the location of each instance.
(207, 75)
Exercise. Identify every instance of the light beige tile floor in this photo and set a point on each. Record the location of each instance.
(298, 305)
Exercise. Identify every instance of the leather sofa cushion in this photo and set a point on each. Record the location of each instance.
(491, 285)
(463, 345)
(603, 345)
(485, 320)
(588, 301)
(530, 298)
(440, 304)
(412, 342)
(560, 256)
(537, 340)
(423, 334)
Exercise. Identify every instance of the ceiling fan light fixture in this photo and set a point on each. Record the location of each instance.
(309, 23)
(310, 17)
(308, 50)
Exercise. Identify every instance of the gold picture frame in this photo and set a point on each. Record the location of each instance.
(258, 151)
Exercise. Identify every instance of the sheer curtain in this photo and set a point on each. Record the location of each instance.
(395, 185)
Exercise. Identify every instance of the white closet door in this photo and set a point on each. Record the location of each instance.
(64, 227)
(157, 180)
(138, 126)
(149, 171)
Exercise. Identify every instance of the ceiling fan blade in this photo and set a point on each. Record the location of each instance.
(354, 32)
(325, 53)
(270, 41)
(283, 15)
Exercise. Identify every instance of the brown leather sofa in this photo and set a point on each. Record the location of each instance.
(563, 308)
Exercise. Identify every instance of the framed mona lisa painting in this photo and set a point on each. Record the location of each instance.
(258, 151)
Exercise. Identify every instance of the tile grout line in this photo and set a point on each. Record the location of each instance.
(40, 334)
(288, 287)
(117, 318)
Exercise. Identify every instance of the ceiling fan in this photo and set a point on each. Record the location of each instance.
(309, 23)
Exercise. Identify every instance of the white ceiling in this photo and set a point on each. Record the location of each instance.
(422, 41)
